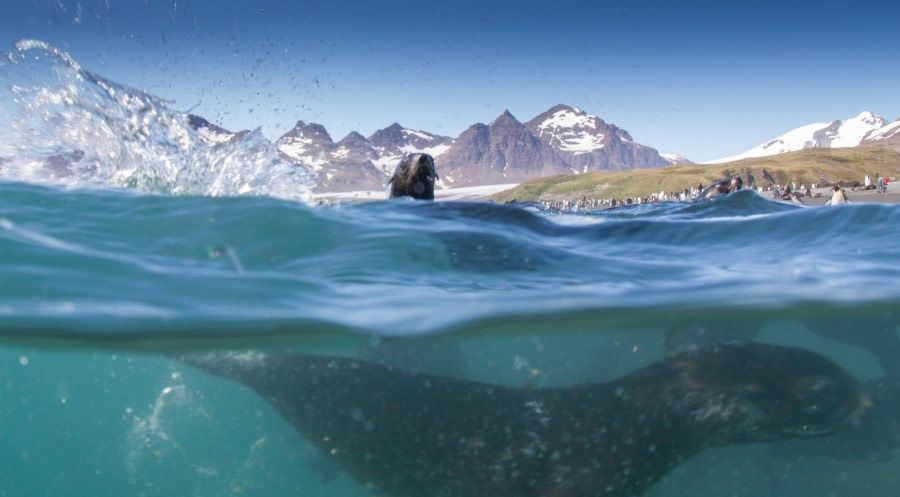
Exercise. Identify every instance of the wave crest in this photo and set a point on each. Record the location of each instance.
(70, 127)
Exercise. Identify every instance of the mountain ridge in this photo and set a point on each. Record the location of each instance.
(561, 140)
(504, 151)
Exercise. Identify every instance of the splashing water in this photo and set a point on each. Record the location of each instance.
(70, 127)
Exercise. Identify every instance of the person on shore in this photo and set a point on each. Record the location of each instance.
(838, 196)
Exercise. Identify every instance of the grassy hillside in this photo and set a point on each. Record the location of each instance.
(823, 166)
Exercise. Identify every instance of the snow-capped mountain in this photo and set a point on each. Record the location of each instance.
(344, 166)
(589, 144)
(675, 159)
(355, 163)
(504, 151)
(395, 141)
(306, 144)
(863, 129)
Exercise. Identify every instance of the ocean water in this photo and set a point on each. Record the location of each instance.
(126, 242)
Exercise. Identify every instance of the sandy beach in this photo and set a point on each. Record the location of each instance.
(855, 196)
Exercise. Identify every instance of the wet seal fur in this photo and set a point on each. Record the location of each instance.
(413, 177)
(722, 187)
(411, 435)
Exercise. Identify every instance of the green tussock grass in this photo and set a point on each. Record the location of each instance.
(822, 166)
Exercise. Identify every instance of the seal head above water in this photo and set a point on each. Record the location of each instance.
(413, 177)
(410, 435)
(722, 187)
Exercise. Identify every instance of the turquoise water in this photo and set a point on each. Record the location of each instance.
(152, 244)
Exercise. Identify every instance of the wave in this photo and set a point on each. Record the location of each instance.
(68, 126)
(121, 264)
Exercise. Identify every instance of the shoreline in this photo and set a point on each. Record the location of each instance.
(484, 194)
(855, 196)
(466, 193)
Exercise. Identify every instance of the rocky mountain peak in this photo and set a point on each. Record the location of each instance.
(310, 131)
(354, 140)
(870, 119)
(505, 119)
(562, 108)
(389, 137)
(306, 144)
(588, 143)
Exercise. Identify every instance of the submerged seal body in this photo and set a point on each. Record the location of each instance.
(413, 177)
(413, 435)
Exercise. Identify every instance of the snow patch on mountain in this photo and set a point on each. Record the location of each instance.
(852, 131)
(418, 134)
(435, 151)
(572, 130)
(889, 131)
(569, 118)
(674, 159)
(387, 163)
(300, 151)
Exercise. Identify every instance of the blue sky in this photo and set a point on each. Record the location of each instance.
(704, 79)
